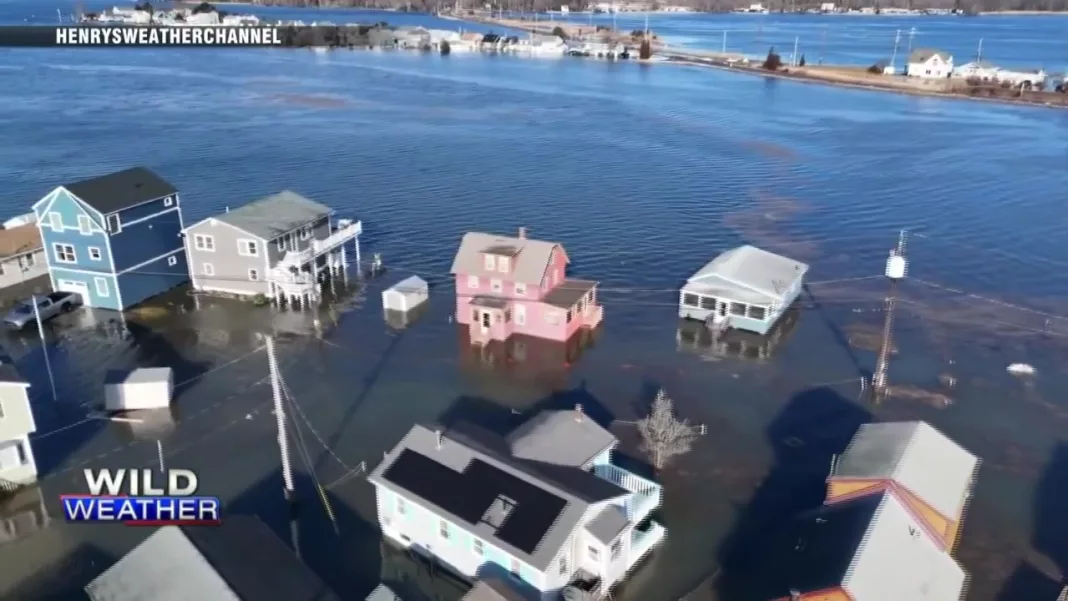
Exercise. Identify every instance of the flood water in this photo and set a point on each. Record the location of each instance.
(643, 173)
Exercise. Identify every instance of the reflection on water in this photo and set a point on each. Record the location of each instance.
(696, 337)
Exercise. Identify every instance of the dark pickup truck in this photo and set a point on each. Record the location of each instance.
(47, 306)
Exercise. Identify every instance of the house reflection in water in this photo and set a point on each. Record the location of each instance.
(694, 337)
(410, 577)
(399, 320)
(522, 362)
(146, 424)
(22, 514)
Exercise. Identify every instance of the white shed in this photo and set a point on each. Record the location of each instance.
(141, 388)
(406, 294)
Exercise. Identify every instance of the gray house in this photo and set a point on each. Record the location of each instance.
(23, 268)
(276, 247)
(242, 560)
(744, 288)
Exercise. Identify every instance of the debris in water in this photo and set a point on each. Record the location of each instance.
(1021, 369)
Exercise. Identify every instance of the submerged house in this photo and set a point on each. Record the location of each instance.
(114, 239)
(17, 463)
(932, 475)
(867, 549)
(507, 286)
(744, 288)
(276, 247)
(545, 507)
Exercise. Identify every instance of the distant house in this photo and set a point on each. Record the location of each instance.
(545, 507)
(114, 239)
(22, 258)
(17, 463)
(508, 286)
(744, 288)
(242, 560)
(276, 246)
(989, 72)
(977, 69)
(930, 473)
(867, 549)
(929, 64)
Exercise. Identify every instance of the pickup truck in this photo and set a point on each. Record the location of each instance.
(47, 306)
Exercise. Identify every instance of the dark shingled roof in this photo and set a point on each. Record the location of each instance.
(568, 293)
(121, 190)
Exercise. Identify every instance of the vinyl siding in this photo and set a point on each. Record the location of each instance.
(12, 274)
(17, 417)
(230, 267)
(94, 299)
(144, 210)
(25, 473)
(320, 231)
(70, 210)
(154, 278)
(141, 241)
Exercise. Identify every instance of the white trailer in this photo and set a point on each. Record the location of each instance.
(141, 388)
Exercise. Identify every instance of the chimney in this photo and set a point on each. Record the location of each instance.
(438, 435)
(795, 595)
(578, 412)
(522, 233)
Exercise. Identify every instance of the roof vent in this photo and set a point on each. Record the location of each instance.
(578, 412)
(439, 438)
(522, 233)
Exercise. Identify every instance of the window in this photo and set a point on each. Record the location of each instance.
(56, 220)
(708, 303)
(248, 248)
(595, 553)
(402, 508)
(563, 565)
(472, 281)
(64, 253)
(617, 548)
(208, 269)
(520, 289)
(85, 226)
(305, 232)
(496, 285)
(254, 275)
(737, 309)
(758, 312)
(27, 261)
(503, 264)
(443, 529)
(491, 262)
(12, 455)
(205, 243)
(94, 253)
(691, 300)
(477, 547)
(169, 201)
(281, 243)
(172, 261)
(101, 286)
(521, 315)
(568, 317)
(114, 223)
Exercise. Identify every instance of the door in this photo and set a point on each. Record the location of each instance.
(81, 288)
(485, 322)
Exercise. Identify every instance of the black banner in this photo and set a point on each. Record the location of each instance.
(94, 36)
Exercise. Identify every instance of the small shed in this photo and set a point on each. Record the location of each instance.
(745, 288)
(141, 388)
(406, 294)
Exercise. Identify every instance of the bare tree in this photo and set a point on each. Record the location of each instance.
(663, 434)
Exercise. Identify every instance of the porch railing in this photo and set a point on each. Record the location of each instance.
(647, 494)
(642, 542)
(340, 236)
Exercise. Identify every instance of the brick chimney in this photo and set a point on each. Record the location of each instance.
(578, 412)
(522, 233)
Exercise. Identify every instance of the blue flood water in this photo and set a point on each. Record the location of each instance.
(643, 172)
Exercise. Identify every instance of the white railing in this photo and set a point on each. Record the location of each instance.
(340, 236)
(642, 504)
(621, 477)
(643, 542)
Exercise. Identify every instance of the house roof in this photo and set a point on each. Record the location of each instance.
(462, 480)
(748, 274)
(492, 589)
(922, 55)
(872, 547)
(121, 190)
(275, 215)
(410, 284)
(530, 257)
(917, 457)
(242, 560)
(567, 293)
(607, 524)
(560, 437)
(19, 240)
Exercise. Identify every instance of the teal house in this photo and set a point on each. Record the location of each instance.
(114, 239)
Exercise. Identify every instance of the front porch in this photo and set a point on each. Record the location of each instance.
(647, 495)
(295, 277)
(491, 320)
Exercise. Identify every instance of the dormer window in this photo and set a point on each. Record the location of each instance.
(504, 264)
(491, 262)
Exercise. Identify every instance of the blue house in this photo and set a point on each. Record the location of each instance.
(114, 239)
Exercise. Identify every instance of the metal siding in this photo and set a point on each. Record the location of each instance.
(70, 210)
(152, 279)
(95, 300)
(142, 241)
(231, 269)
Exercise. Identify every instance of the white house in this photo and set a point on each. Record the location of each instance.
(17, 464)
(929, 64)
(543, 508)
(977, 69)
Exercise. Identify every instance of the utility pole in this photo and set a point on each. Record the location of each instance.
(280, 417)
(912, 35)
(159, 452)
(823, 45)
(896, 270)
(793, 59)
(979, 52)
(724, 41)
(893, 57)
(44, 346)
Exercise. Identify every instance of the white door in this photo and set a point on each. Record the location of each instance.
(74, 286)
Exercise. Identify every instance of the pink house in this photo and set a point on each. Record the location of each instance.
(508, 286)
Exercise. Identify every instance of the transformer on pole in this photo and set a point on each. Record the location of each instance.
(896, 270)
